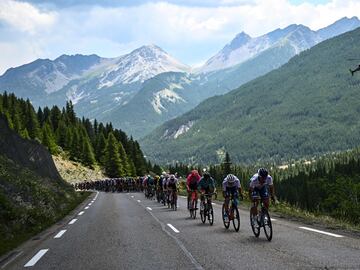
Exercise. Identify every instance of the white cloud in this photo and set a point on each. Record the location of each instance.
(190, 33)
(25, 17)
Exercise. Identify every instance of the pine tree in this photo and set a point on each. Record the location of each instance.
(32, 124)
(61, 134)
(88, 157)
(113, 167)
(124, 159)
(70, 112)
(75, 150)
(55, 117)
(100, 148)
(48, 138)
(25, 134)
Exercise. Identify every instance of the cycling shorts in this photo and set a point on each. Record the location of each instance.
(262, 193)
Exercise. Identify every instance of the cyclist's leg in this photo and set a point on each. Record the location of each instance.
(264, 194)
(255, 199)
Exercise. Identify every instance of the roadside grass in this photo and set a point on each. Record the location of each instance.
(287, 211)
(29, 203)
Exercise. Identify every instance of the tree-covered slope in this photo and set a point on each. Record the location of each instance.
(309, 105)
(32, 193)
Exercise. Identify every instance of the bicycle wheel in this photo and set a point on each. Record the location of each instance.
(254, 226)
(202, 212)
(226, 222)
(211, 214)
(267, 225)
(195, 205)
(193, 209)
(236, 219)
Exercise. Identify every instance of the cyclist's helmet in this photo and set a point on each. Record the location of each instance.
(206, 175)
(172, 177)
(230, 178)
(263, 172)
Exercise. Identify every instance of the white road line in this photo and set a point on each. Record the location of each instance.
(213, 203)
(173, 228)
(183, 197)
(36, 258)
(81, 213)
(89, 204)
(138, 201)
(11, 260)
(149, 208)
(86, 208)
(132, 196)
(318, 231)
(60, 234)
(72, 221)
(273, 219)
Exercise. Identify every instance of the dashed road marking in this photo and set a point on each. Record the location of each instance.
(81, 213)
(318, 231)
(173, 228)
(72, 221)
(138, 201)
(86, 208)
(36, 258)
(273, 219)
(149, 208)
(213, 203)
(60, 234)
(132, 196)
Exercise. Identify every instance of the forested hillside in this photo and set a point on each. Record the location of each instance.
(90, 143)
(308, 106)
(32, 193)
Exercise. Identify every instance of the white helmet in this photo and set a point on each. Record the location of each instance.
(230, 178)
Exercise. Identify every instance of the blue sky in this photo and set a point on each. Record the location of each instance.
(191, 31)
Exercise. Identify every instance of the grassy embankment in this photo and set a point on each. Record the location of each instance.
(73, 172)
(30, 204)
(285, 210)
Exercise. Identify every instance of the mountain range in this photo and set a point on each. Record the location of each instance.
(306, 107)
(139, 91)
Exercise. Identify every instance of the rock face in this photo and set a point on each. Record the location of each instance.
(29, 154)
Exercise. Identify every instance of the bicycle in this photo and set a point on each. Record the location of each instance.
(232, 214)
(173, 200)
(206, 209)
(262, 220)
(193, 204)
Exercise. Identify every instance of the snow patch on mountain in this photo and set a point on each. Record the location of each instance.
(166, 95)
(140, 65)
(74, 95)
(181, 130)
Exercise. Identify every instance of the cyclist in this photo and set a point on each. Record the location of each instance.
(206, 185)
(172, 187)
(150, 185)
(259, 187)
(192, 181)
(231, 187)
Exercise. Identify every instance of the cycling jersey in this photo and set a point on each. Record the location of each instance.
(260, 189)
(192, 180)
(226, 185)
(172, 183)
(255, 182)
(206, 184)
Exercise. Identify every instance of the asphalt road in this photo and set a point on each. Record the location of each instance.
(127, 231)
